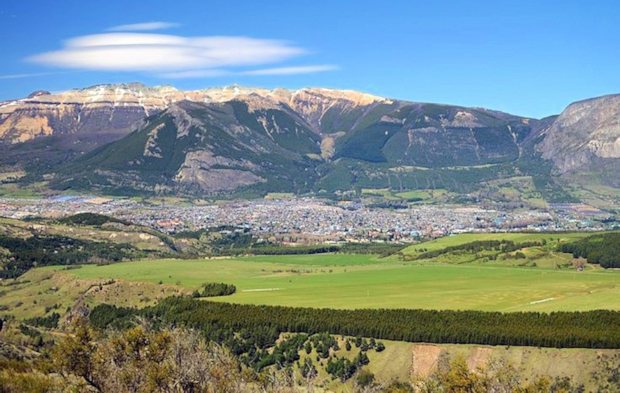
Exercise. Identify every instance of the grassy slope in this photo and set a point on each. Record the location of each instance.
(38, 289)
(347, 281)
(401, 361)
(464, 238)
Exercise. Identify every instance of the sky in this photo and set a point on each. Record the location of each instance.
(529, 58)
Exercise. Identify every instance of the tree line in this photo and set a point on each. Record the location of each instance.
(502, 246)
(591, 329)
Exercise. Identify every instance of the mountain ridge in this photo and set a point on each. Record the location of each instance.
(230, 139)
(68, 105)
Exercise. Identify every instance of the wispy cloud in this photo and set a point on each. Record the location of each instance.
(25, 75)
(145, 26)
(212, 73)
(307, 69)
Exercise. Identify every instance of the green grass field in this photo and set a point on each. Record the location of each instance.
(361, 281)
(545, 280)
(455, 281)
(429, 195)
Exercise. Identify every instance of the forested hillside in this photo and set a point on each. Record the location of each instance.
(603, 249)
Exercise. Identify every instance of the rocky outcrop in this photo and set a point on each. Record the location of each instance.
(213, 174)
(103, 113)
(585, 137)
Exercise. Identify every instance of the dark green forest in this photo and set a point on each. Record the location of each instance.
(592, 329)
(603, 249)
(93, 219)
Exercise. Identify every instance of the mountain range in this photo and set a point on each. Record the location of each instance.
(134, 139)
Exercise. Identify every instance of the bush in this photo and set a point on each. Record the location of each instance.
(50, 321)
(218, 289)
(341, 368)
(365, 378)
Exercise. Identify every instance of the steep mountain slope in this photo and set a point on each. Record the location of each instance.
(586, 138)
(205, 149)
(433, 135)
(259, 143)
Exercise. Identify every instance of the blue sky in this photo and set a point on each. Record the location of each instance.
(525, 57)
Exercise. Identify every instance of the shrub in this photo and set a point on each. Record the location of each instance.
(218, 289)
(365, 378)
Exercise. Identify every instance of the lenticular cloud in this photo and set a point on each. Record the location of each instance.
(146, 26)
(165, 53)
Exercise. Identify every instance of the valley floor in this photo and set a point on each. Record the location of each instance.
(361, 281)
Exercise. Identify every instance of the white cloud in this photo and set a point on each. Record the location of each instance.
(159, 52)
(174, 56)
(308, 69)
(26, 75)
(210, 73)
(146, 26)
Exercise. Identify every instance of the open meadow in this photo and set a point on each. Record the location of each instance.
(540, 279)
(364, 281)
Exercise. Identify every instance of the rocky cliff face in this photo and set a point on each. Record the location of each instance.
(585, 136)
(86, 117)
(106, 112)
(54, 127)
